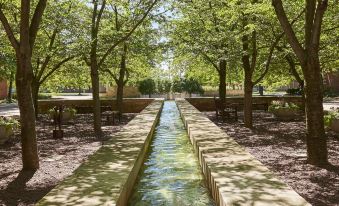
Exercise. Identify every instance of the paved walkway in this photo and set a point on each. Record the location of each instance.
(9, 110)
(329, 105)
(13, 110)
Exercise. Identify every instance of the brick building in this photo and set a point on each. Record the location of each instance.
(3, 89)
(331, 80)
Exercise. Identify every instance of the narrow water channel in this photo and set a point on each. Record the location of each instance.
(171, 174)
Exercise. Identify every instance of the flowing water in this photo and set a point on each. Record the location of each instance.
(171, 174)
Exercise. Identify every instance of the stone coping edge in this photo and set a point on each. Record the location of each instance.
(107, 177)
(233, 176)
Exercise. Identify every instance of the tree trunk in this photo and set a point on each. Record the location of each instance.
(316, 138)
(35, 96)
(9, 95)
(120, 95)
(96, 99)
(297, 77)
(120, 82)
(222, 81)
(248, 87)
(308, 55)
(30, 158)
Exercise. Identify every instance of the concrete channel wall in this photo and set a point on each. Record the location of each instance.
(108, 176)
(207, 103)
(130, 105)
(233, 176)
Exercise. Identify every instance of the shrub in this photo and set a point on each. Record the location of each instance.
(192, 86)
(66, 109)
(330, 116)
(328, 92)
(187, 85)
(147, 86)
(9, 122)
(44, 96)
(163, 86)
(276, 105)
(177, 86)
(294, 91)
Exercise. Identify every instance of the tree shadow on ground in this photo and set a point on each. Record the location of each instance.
(16, 191)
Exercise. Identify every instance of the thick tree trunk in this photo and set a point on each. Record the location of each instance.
(316, 138)
(10, 88)
(96, 98)
(222, 81)
(248, 87)
(30, 158)
(120, 95)
(35, 96)
(23, 47)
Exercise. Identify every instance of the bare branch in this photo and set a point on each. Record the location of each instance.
(111, 74)
(316, 29)
(8, 30)
(127, 35)
(100, 15)
(269, 59)
(287, 27)
(56, 67)
(35, 22)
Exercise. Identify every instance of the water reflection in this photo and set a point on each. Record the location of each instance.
(171, 174)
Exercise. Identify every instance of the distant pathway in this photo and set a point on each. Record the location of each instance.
(329, 104)
(13, 110)
(9, 110)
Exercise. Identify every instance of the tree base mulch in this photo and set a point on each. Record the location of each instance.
(281, 146)
(58, 158)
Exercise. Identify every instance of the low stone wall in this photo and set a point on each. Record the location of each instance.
(108, 176)
(207, 103)
(233, 176)
(134, 105)
(129, 91)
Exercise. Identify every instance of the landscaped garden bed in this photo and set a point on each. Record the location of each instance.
(281, 147)
(7, 127)
(285, 111)
(331, 119)
(58, 158)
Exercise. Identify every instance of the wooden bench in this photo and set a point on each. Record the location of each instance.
(83, 109)
(260, 106)
(106, 112)
(111, 116)
(226, 111)
(256, 106)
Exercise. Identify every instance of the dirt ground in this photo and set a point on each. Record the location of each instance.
(58, 158)
(281, 147)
